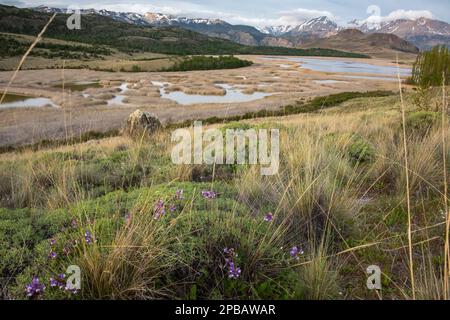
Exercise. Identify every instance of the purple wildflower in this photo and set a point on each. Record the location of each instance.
(268, 217)
(52, 255)
(88, 237)
(172, 208)
(295, 252)
(53, 282)
(35, 288)
(52, 241)
(58, 281)
(209, 194)
(235, 272)
(159, 209)
(71, 290)
(179, 194)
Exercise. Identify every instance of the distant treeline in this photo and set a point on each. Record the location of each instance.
(209, 63)
(99, 30)
(432, 67)
(11, 47)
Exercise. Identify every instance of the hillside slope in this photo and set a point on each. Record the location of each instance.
(376, 44)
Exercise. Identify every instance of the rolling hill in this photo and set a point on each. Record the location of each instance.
(374, 44)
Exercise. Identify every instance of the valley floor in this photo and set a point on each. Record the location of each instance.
(94, 109)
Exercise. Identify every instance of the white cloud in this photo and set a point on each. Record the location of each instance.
(376, 19)
(409, 15)
(292, 17)
(300, 15)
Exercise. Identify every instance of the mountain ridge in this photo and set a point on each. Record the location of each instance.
(130, 38)
(426, 32)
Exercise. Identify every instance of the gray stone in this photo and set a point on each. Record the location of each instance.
(141, 122)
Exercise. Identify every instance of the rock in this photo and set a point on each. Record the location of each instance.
(139, 123)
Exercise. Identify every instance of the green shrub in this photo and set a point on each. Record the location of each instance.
(420, 122)
(135, 68)
(209, 63)
(360, 150)
(432, 67)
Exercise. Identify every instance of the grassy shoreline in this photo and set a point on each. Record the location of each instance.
(316, 104)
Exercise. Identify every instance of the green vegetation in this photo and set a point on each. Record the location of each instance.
(209, 63)
(421, 122)
(432, 68)
(12, 47)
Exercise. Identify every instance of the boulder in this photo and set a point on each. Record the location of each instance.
(140, 122)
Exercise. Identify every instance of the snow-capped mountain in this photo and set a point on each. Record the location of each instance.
(422, 32)
(46, 9)
(320, 27)
(161, 19)
(276, 30)
(405, 27)
(212, 27)
(128, 17)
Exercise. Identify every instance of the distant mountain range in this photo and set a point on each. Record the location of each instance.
(423, 33)
(103, 32)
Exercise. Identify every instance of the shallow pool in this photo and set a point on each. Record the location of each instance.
(329, 81)
(345, 66)
(19, 101)
(79, 86)
(232, 95)
(118, 99)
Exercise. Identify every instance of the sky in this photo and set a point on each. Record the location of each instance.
(267, 12)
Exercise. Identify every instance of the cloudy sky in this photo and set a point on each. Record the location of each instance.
(267, 12)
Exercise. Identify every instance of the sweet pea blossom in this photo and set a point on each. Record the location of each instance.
(295, 252)
(235, 272)
(268, 217)
(209, 194)
(58, 281)
(159, 209)
(88, 237)
(35, 288)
